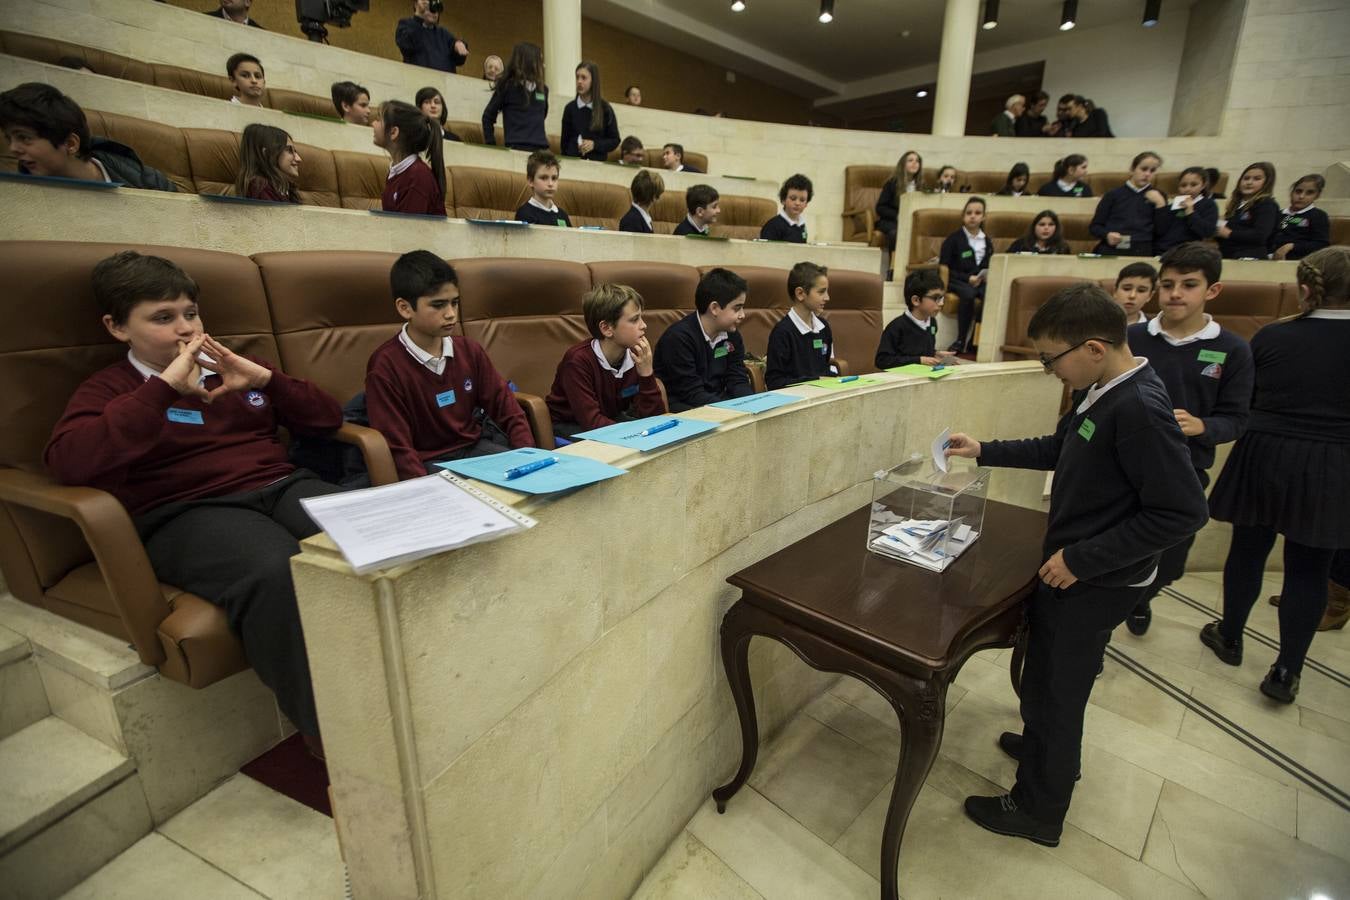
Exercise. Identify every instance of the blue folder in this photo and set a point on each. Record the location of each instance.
(569, 472)
(756, 403)
(627, 434)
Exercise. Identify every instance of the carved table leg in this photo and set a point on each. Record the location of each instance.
(736, 660)
(920, 705)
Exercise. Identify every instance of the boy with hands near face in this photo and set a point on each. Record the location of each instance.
(1124, 491)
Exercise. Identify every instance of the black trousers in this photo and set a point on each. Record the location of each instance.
(235, 551)
(970, 310)
(1069, 631)
(888, 230)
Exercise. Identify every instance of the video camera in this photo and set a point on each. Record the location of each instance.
(314, 15)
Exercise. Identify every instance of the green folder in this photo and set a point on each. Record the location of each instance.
(924, 371)
(837, 384)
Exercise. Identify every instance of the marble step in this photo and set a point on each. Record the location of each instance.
(23, 700)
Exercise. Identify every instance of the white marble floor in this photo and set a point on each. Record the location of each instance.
(1169, 805)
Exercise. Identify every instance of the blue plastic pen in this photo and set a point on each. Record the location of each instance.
(848, 378)
(529, 467)
(656, 429)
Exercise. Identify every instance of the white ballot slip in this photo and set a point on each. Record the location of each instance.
(940, 444)
(1179, 201)
(380, 527)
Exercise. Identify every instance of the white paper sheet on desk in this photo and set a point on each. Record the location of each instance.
(939, 445)
(383, 526)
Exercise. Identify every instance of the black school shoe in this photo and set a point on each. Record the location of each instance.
(1001, 816)
(1227, 651)
(1280, 684)
(1139, 619)
(1010, 742)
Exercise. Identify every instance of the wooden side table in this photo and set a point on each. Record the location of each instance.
(899, 628)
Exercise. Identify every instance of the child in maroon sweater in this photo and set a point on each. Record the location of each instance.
(183, 433)
(610, 377)
(413, 186)
(428, 391)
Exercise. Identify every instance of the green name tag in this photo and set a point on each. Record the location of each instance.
(818, 344)
(1087, 429)
(539, 95)
(966, 254)
(562, 223)
(721, 351)
(1212, 356)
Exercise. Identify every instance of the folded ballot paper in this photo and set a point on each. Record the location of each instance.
(930, 543)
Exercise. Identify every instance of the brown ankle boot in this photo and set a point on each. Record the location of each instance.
(1338, 608)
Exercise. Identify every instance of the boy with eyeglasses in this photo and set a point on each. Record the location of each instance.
(1124, 491)
(912, 336)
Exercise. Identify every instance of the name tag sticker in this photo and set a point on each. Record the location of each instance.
(1087, 429)
(966, 254)
(445, 398)
(630, 391)
(1212, 356)
(539, 95)
(186, 416)
(562, 223)
(721, 351)
(818, 344)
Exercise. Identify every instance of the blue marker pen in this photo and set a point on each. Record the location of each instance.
(847, 378)
(527, 468)
(656, 429)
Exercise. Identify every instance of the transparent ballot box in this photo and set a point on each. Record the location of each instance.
(924, 516)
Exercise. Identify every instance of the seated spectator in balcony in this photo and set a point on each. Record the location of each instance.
(413, 186)
(541, 171)
(1303, 227)
(521, 97)
(946, 180)
(492, 69)
(647, 188)
(1123, 223)
(672, 157)
(1005, 123)
(589, 127)
(702, 203)
(423, 42)
(246, 75)
(1251, 215)
(631, 152)
(1016, 185)
(1032, 121)
(909, 173)
(48, 134)
(1088, 120)
(269, 165)
(789, 225)
(1044, 236)
(352, 102)
(432, 105)
(633, 95)
(1064, 120)
(1191, 216)
(234, 11)
(1070, 178)
(76, 63)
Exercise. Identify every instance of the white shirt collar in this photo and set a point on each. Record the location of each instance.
(1066, 186)
(910, 187)
(534, 201)
(715, 339)
(402, 165)
(680, 168)
(1329, 314)
(1207, 332)
(583, 104)
(106, 177)
(977, 236)
(434, 363)
(604, 363)
(646, 216)
(147, 373)
(795, 223)
(922, 323)
(1095, 392)
(1290, 211)
(815, 327)
(701, 229)
(1137, 190)
(1140, 318)
(1011, 117)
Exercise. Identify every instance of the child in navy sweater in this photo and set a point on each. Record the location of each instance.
(1208, 373)
(646, 189)
(1124, 491)
(541, 172)
(1043, 237)
(701, 202)
(801, 344)
(701, 358)
(1191, 216)
(589, 127)
(912, 337)
(907, 179)
(1135, 285)
(413, 186)
(789, 225)
(1123, 223)
(1303, 227)
(1070, 178)
(966, 254)
(428, 391)
(1251, 217)
(521, 97)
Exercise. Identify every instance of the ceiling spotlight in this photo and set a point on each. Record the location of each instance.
(1069, 18)
(826, 11)
(1152, 9)
(738, 6)
(921, 93)
(990, 15)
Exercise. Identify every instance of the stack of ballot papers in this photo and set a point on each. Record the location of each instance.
(930, 543)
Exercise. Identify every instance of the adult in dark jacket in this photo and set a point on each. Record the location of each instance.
(234, 11)
(590, 129)
(1005, 123)
(423, 42)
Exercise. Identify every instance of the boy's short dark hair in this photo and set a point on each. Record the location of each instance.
(605, 303)
(1077, 313)
(346, 92)
(1138, 270)
(700, 195)
(804, 275)
(920, 282)
(798, 182)
(125, 279)
(49, 113)
(678, 148)
(629, 144)
(541, 159)
(233, 63)
(1194, 256)
(647, 187)
(717, 286)
(418, 274)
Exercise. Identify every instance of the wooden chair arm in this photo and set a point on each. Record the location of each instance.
(374, 450)
(840, 366)
(536, 412)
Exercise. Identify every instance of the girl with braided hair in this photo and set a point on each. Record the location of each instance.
(1289, 474)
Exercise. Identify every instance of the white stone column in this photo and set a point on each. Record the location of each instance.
(960, 24)
(562, 45)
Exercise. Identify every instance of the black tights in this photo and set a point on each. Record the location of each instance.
(1303, 599)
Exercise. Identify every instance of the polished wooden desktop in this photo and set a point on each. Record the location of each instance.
(900, 628)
